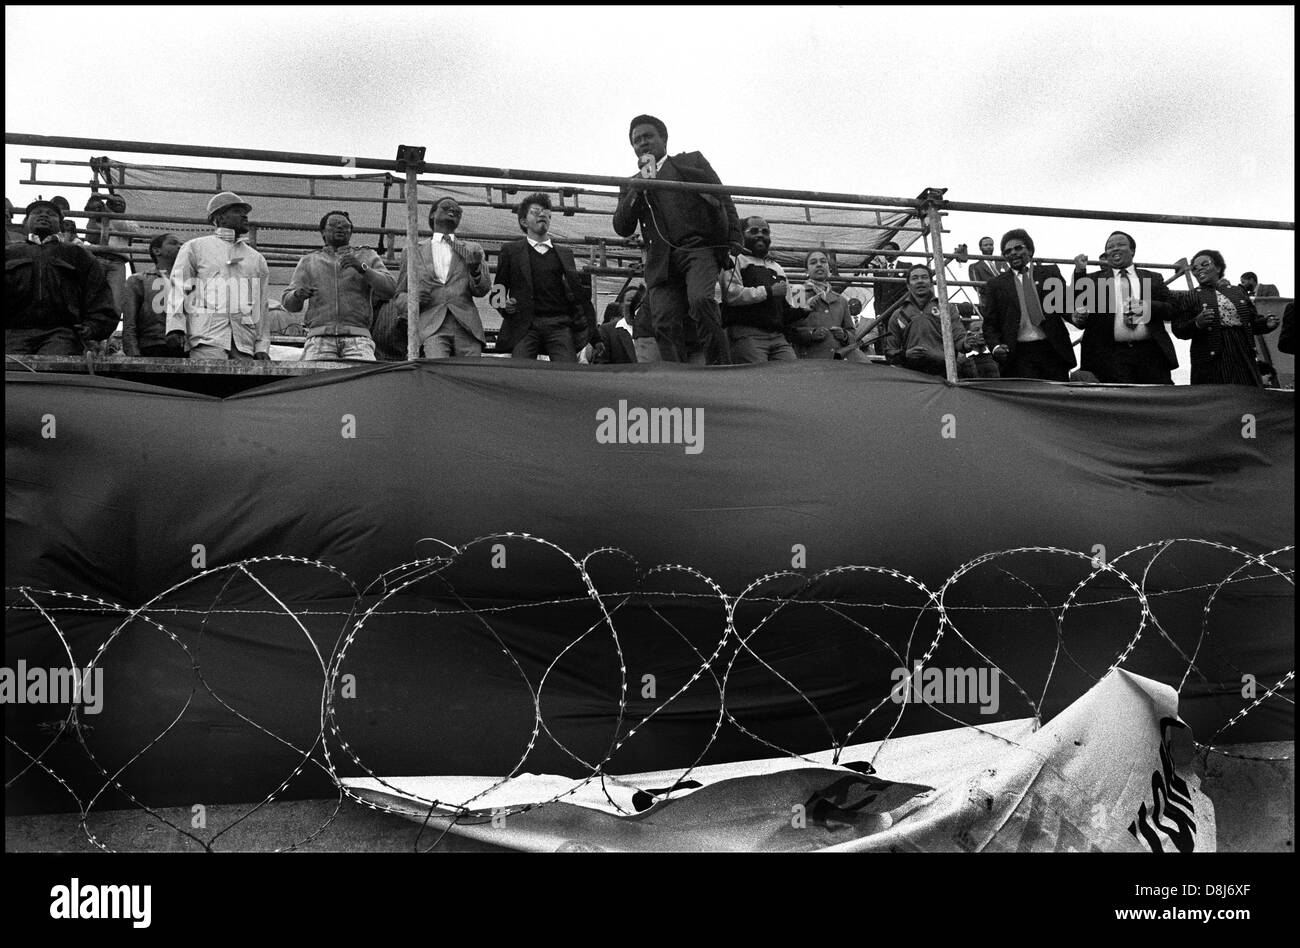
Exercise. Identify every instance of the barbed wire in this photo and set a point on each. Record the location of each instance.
(737, 645)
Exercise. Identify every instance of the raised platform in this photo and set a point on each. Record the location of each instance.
(208, 376)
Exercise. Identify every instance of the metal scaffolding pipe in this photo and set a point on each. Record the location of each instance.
(625, 243)
(389, 164)
(1133, 216)
(379, 164)
(498, 184)
(572, 210)
(409, 192)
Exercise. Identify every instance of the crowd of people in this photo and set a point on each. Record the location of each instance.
(712, 293)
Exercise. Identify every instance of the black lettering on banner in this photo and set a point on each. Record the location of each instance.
(1170, 800)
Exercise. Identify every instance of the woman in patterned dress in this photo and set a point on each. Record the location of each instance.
(1221, 322)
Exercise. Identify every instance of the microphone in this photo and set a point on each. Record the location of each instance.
(647, 163)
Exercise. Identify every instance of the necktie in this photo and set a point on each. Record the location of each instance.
(1029, 302)
(1125, 293)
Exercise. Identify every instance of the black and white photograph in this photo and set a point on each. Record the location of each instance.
(658, 430)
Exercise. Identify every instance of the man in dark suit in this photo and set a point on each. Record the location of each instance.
(687, 237)
(450, 272)
(1024, 327)
(537, 291)
(612, 342)
(985, 270)
(1122, 312)
(886, 264)
(1250, 283)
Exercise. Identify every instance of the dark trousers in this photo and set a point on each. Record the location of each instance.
(549, 334)
(1137, 363)
(750, 346)
(59, 341)
(986, 367)
(689, 296)
(1036, 360)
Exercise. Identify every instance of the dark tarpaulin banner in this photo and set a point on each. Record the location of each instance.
(676, 565)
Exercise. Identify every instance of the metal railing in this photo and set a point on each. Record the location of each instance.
(929, 206)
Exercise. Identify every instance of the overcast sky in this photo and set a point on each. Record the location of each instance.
(1183, 110)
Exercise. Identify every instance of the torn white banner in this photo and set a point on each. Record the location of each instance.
(1108, 773)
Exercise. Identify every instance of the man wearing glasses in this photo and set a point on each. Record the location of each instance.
(1122, 311)
(537, 290)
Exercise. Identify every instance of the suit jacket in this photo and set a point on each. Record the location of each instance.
(695, 220)
(983, 270)
(1099, 330)
(1002, 321)
(438, 298)
(515, 273)
(619, 348)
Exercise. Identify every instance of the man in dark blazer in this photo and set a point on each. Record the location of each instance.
(1122, 311)
(612, 341)
(1250, 283)
(538, 292)
(687, 237)
(1024, 325)
(451, 272)
(985, 270)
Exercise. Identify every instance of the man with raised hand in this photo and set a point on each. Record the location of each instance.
(687, 235)
(541, 296)
(451, 272)
(1024, 325)
(1122, 311)
(57, 299)
(110, 240)
(338, 284)
(217, 306)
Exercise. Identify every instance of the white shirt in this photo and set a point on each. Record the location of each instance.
(541, 246)
(440, 253)
(1122, 332)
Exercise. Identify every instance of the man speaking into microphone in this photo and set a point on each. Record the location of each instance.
(687, 235)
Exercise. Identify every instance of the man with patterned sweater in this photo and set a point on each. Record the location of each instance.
(754, 307)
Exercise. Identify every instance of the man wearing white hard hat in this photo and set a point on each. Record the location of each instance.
(217, 307)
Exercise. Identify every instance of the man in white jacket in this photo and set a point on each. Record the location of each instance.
(219, 283)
